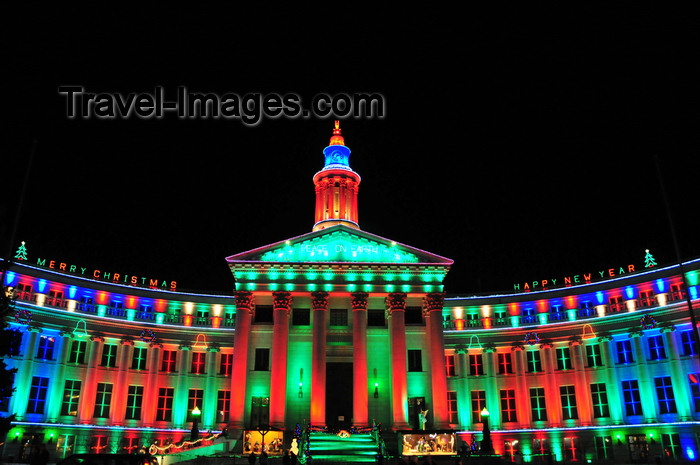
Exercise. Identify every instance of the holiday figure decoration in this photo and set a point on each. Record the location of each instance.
(21, 253)
(422, 418)
(649, 260)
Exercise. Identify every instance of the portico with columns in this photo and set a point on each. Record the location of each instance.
(325, 320)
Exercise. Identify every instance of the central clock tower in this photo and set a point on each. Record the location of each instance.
(336, 186)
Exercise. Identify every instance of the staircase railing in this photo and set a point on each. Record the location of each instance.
(304, 435)
(382, 454)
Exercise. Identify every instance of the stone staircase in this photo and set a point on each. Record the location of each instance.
(331, 448)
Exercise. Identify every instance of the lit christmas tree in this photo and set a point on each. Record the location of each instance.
(649, 260)
(21, 252)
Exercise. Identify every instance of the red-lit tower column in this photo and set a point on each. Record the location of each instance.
(336, 186)
(432, 308)
(245, 305)
(281, 306)
(360, 403)
(319, 303)
(396, 310)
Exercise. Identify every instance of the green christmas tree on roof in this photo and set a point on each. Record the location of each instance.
(649, 260)
(21, 252)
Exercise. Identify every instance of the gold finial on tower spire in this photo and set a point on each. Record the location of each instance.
(337, 139)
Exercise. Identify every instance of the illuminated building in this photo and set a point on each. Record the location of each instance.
(341, 327)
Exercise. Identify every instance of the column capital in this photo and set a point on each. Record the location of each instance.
(359, 300)
(319, 300)
(245, 300)
(213, 347)
(666, 327)
(66, 332)
(605, 337)
(282, 300)
(433, 302)
(97, 338)
(574, 341)
(460, 349)
(636, 333)
(395, 301)
(517, 345)
(127, 341)
(546, 345)
(185, 345)
(489, 347)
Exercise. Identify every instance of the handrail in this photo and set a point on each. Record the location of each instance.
(304, 435)
(381, 445)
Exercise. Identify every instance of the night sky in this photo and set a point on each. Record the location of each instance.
(522, 143)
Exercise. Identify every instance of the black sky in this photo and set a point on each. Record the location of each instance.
(518, 141)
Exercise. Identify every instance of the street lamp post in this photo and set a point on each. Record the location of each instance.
(486, 444)
(194, 433)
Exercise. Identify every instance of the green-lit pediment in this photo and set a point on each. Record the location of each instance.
(339, 246)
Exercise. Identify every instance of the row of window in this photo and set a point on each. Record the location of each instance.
(99, 444)
(568, 401)
(594, 359)
(168, 364)
(573, 449)
(78, 351)
(263, 313)
(631, 395)
(504, 360)
(586, 309)
(134, 401)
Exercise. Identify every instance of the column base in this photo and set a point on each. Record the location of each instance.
(400, 427)
(441, 426)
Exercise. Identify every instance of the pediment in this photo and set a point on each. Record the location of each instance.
(339, 244)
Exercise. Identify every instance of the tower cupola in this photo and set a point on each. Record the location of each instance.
(336, 186)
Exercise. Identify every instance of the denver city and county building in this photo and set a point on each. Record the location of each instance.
(341, 330)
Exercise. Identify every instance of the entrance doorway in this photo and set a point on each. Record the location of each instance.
(416, 405)
(339, 377)
(638, 448)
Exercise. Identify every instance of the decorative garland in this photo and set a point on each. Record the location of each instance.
(172, 448)
(531, 338)
(23, 317)
(648, 321)
(148, 336)
(339, 432)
